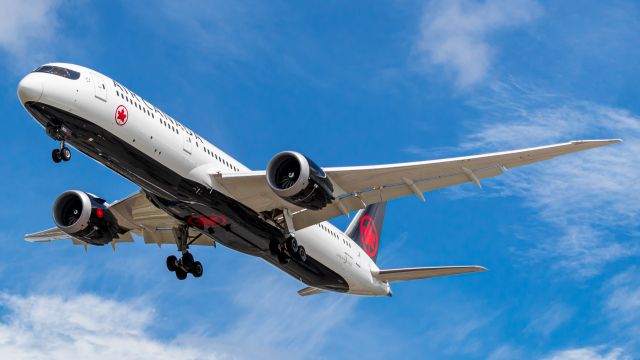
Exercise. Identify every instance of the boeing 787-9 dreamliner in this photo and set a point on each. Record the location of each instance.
(192, 193)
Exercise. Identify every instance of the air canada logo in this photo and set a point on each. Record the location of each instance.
(122, 115)
(369, 235)
(204, 221)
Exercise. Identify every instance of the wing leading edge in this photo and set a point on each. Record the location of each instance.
(360, 186)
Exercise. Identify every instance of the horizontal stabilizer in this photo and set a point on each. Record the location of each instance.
(310, 291)
(393, 275)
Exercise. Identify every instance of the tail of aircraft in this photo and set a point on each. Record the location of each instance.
(366, 228)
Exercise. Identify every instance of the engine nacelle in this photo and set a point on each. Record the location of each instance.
(85, 216)
(298, 180)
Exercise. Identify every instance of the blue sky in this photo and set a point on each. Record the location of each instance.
(346, 84)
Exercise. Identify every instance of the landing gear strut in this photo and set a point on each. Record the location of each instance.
(185, 264)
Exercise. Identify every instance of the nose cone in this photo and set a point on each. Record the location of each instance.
(30, 88)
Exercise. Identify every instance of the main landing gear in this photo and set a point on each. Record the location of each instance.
(185, 264)
(287, 250)
(62, 153)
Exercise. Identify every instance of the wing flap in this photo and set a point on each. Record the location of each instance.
(407, 274)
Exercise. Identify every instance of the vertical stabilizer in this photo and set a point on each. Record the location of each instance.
(366, 228)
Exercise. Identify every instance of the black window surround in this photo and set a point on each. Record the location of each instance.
(60, 71)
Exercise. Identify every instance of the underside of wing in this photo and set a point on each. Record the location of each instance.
(394, 275)
(135, 215)
(357, 187)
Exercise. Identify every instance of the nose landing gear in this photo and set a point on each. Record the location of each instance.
(62, 153)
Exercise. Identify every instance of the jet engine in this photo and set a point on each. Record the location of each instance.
(298, 180)
(85, 216)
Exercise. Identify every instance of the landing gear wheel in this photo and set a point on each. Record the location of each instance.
(181, 274)
(283, 258)
(56, 156)
(171, 263)
(187, 260)
(302, 254)
(197, 269)
(65, 154)
(292, 245)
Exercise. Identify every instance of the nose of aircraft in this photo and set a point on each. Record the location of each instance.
(30, 88)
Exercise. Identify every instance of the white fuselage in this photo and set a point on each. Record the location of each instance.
(100, 99)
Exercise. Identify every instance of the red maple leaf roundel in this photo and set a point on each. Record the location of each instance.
(122, 115)
(207, 221)
(369, 235)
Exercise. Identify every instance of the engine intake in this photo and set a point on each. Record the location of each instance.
(298, 180)
(85, 216)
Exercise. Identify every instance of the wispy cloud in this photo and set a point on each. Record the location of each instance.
(506, 352)
(622, 305)
(28, 28)
(278, 322)
(592, 199)
(550, 320)
(463, 331)
(454, 34)
(214, 30)
(589, 353)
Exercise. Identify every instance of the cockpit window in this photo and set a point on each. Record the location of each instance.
(60, 71)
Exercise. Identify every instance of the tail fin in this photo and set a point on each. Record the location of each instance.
(365, 229)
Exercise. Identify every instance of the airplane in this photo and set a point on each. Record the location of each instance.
(192, 193)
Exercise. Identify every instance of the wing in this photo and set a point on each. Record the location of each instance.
(137, 215)
(356, 187)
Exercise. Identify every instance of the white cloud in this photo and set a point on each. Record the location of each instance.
(266, 319)
(587, 198)
(28, 29)
(84, 327)
(455, 34)
(589, 353)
